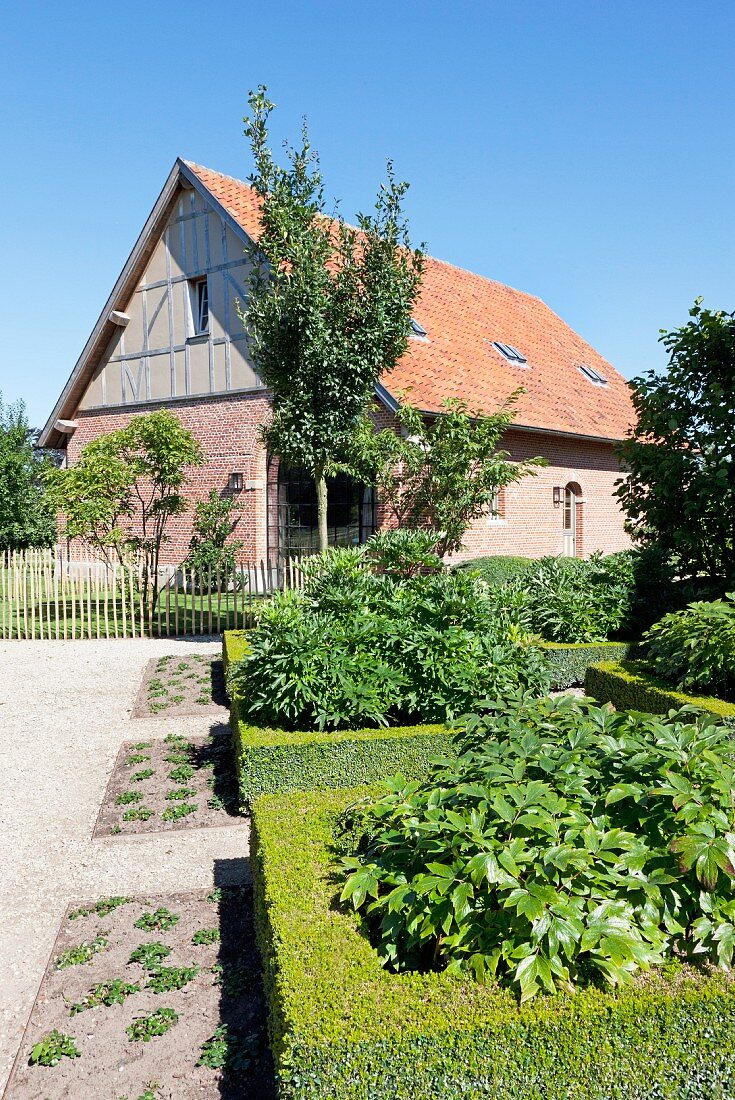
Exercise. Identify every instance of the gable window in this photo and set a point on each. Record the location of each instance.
(513, 355)
(593, 375)
(199, 295)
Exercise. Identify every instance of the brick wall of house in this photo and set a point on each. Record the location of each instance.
(227, 427)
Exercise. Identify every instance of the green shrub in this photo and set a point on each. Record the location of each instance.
(694, 649)
(630, 685)
(345, 1028)
(498, 569)
(566, 843)
(212, 551)
(371, 642)
(569, 662)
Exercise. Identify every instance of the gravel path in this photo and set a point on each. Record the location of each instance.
(64, 711)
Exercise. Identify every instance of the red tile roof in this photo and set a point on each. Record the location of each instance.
(463, 314)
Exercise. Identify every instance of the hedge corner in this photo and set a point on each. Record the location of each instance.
(344, 1028)
(629, 685)
(569, 661)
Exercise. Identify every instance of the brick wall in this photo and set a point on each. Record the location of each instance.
(227, 427)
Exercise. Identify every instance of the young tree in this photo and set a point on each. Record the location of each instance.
(212, 549)
(329, 305)
(26, 516)
(124, 488)
(440, 473)
(679, 488)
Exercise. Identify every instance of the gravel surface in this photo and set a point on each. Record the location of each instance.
(64, 713)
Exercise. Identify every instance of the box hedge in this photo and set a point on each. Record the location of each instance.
(269, 760)
(569, 662)
(629, 685)
(344, 1028)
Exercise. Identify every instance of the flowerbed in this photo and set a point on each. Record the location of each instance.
(343, 1027)
(174, 686)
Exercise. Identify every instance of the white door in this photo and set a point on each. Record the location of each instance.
(570, 522)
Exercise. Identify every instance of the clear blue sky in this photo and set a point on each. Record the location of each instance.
(581, 150)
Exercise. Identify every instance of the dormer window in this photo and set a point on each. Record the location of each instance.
(417, 330)
(199, 294)
(593, 375)
(513, 355)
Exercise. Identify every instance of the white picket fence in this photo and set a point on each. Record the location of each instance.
(50, 594)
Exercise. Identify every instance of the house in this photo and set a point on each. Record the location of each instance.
(170, 334)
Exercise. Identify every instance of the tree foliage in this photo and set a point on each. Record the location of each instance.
(679, 489)
(26, 516)
(440, 473)
(329, 304)
(212, 547)
(125, 487)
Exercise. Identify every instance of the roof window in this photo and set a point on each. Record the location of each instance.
(513, 355)
(417, 330)
(593, 375)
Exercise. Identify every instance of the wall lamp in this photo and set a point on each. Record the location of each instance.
(236, 483)
(558, 495)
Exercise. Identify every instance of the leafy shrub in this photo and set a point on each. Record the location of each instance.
(498, 569)
(694, 649)
(212, 551)
(378, 638)
(565, 844)
(52, 1048)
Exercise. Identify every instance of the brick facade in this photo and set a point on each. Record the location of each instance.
(530, 524)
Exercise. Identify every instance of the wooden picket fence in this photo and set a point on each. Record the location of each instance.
(49, 594)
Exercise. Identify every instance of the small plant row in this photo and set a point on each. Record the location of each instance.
(173, 676)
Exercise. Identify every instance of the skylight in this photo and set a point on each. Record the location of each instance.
(513, 355)
(593, 375)
(418, 330)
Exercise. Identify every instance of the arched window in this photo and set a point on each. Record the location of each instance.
(350, 511)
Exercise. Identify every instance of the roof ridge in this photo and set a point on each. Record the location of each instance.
(215, 172)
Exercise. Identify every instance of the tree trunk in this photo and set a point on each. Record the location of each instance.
(321, 510)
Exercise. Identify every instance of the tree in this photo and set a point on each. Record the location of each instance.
(26, 516)
(679, 487)
(441, 473)
(212, 550)
(124, 488)
(329, 305)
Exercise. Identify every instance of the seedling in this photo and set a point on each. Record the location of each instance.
(115, 829)
(205, 935)
(177, 699)
(156, 707)
(235, 980)
(138, 777)
(175, 739)
(52, 1048)
(177, 758)
(128, 796)
(138, 745)
(203, 700)
(182, 774)
(137, 758)
(181, 809)
(178, 794)
(160, 920)
(110, 993)
(140, 813)
(145, 1028)
(101, 907)
(233, 1053)
(182, 666)
(150, 955)
(82, 953)
(167, 979)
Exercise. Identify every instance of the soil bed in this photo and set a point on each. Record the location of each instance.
(186, 683)
(222, 990)
(170, 783)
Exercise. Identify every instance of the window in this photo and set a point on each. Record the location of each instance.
(513, 355)
(417, 330)
(350, 512)
(593, 375)
(199, 295)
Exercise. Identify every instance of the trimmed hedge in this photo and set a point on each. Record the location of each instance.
(628, 685)
(344, 1028)
(269, 760)
(569, 662)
